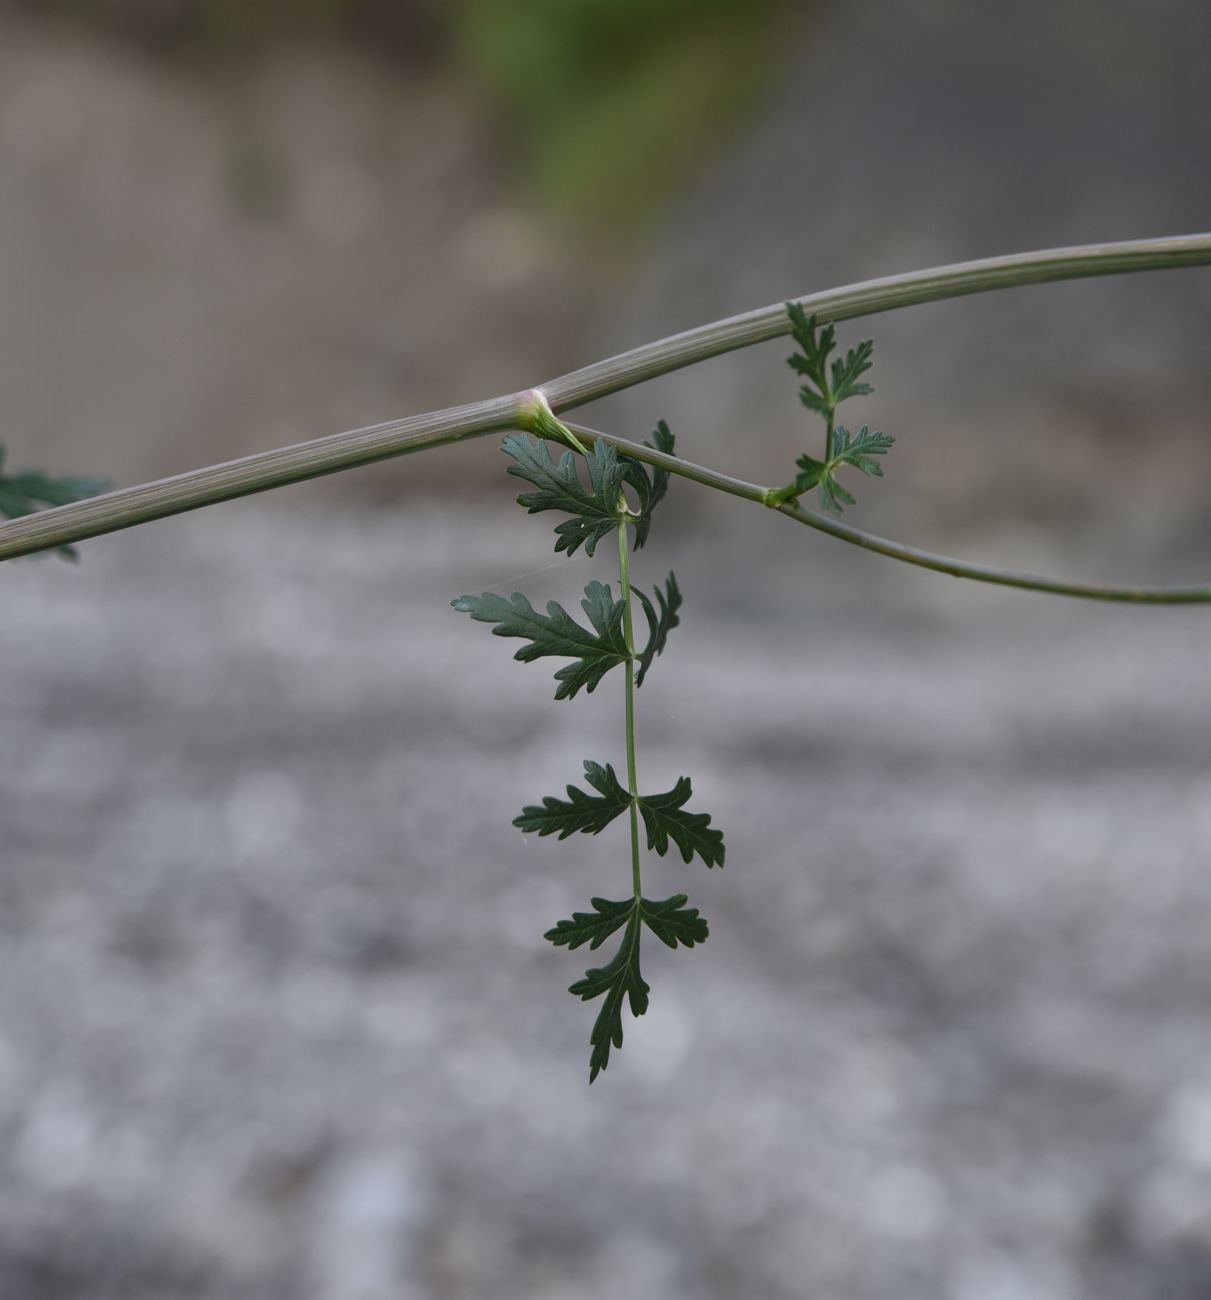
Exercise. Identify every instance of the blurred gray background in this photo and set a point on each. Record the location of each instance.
(276, 1016)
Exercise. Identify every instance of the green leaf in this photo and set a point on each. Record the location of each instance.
(672, 922)
(816, 346)
(557, 633)
(30, 490)
(664, 818)
(845, 373)
(580, 811)
(818, 394)
(659, 624)
(857, 449)
(813, 472)
(620, 978)
(595, 509)
(652, 492)
(593, 928)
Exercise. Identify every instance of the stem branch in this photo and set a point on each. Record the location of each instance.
(270, 469)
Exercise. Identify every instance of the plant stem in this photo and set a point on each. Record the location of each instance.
(768, 497)
(624, 579)
(137, 505)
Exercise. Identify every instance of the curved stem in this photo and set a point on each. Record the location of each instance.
(136, 505)
(768, 497)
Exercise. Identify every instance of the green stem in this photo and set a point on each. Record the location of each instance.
(624, 579)
(829, 435)
(775, 499)
(127, 507)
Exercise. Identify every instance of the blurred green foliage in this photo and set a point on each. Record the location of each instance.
(610, 103)
(617, 99)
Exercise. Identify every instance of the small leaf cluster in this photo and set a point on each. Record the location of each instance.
(27, 492)
(595, 508)
(828, 384)
(856, 449)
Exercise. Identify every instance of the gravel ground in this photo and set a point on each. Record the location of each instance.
(276, 1019)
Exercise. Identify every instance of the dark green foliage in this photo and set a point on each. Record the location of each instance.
(581, 812)
(664, 818)
(845, 373)
(650, 482)
(29, 491)
(620, 491)
(827, 386)
(664, 815)
(620, 979)
(856, 449)
(595, 509)
(659, 624)
(557, 633)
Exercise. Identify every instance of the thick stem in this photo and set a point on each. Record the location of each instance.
(137, 505)
(628, 628)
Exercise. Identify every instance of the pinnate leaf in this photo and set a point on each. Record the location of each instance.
(659, 624)
(620, 979)
(556, 633)
(845, 373)
(650, 482)
(665, 818)
(593, 927)
(672, 922)
(595, 508)
(580, 811)
(856, 449)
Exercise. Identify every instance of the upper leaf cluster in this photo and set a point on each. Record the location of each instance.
(598, 507)
(30, 490)
(827, 386)
(620, 979)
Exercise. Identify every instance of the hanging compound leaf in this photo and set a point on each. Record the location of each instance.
(659, 624)
(620, 979)
(29, 491)
(665, 819)
(557, 633)
(580, 811)
(595, 509)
